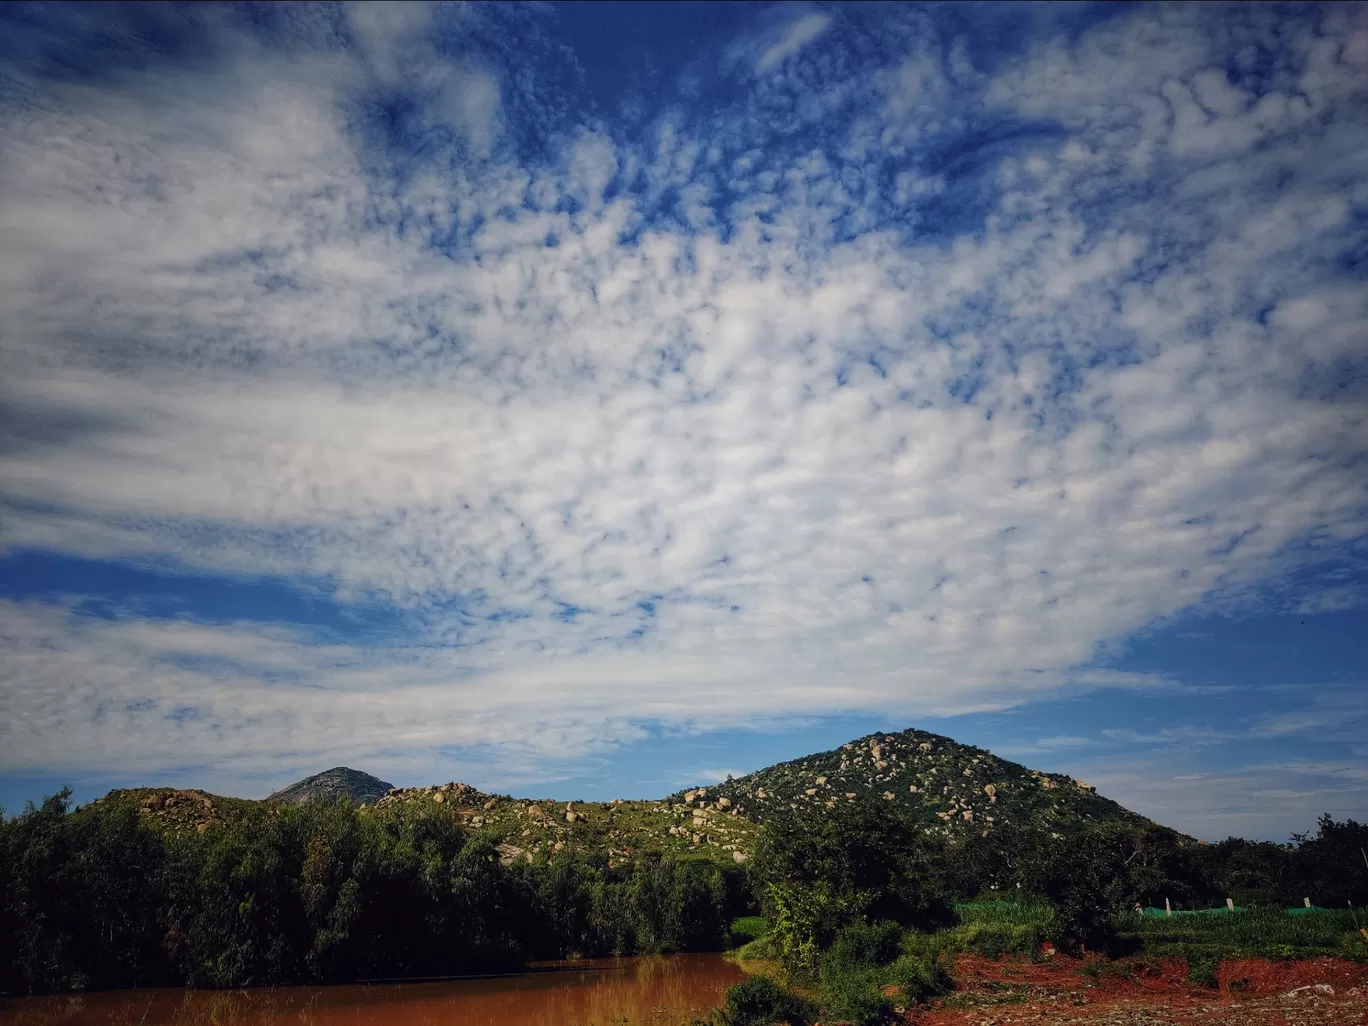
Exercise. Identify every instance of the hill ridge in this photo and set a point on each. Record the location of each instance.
(944, 786)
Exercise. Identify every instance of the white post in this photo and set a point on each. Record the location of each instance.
(1306, 902)
(1168, 909)
(1230, 904)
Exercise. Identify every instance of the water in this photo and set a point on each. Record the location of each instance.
(659, 991)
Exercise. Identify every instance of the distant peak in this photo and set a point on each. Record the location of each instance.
(331, 784)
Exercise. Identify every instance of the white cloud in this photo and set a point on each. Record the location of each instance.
(795, 36)
(776, 455)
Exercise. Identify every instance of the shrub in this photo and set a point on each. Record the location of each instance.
(865, 944)
(759, 1001)
(920, 978)
(1202, 968)
(852, 995)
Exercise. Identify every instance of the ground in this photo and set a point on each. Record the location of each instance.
(1146, 991)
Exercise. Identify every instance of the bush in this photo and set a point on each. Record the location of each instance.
(853, 971)
(1202, 969)
(920, 978)
(759, 1001)
(852, 995)
(865, 944)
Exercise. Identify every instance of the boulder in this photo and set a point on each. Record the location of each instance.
(724, 803)
(739, 856)
(570, 817)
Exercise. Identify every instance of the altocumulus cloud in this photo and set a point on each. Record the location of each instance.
(892, 372)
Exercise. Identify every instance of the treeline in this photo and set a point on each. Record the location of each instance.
(816, 876)
(318, 893)
(100, 898)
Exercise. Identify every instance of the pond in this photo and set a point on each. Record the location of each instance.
(660, 991)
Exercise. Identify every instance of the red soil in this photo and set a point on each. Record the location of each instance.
(1147, 992)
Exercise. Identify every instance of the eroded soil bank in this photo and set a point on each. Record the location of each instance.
(1138, 992)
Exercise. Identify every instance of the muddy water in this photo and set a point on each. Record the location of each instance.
(659, 991)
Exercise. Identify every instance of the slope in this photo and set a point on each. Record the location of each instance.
(328, 786)
(942, 786)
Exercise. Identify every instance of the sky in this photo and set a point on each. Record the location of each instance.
(588, 400)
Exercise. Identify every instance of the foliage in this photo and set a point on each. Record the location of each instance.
(1266, 932)
(817, 875)
(864, 963)
(1202, 969)
(745, 930)
(1333, 865)
(759, 1001)
(920, 978)
(315, 893)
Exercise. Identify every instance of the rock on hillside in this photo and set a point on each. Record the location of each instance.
(619, 831)
(943, 786)
(328, 786)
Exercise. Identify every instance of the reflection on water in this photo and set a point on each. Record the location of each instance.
(660, 991)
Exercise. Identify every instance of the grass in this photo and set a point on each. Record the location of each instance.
(1005, 913)
(745, 930)
(1268, 933)
(988, 929)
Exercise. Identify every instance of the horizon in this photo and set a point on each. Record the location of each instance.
(580, 400)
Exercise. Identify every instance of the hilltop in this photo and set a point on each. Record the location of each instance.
(942, 786)
(330, 785)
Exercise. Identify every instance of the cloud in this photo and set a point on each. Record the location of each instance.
(796, 35)
(1257, 800)
(701, 427)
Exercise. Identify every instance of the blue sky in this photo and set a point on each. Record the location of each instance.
(587, 400)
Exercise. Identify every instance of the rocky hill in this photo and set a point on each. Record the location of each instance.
(330, 785)
(946, 788)
(943, 786)
(618, 830)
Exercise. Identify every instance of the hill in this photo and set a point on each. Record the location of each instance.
(328, 786)
(941, 785)
(944, 787)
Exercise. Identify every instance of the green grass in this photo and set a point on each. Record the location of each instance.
(1006, 913)
(1270, 933)
(745, 930)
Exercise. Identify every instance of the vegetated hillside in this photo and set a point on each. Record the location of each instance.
(177, 809)
(946, 788)
(942, 786)
(617, 832)
(330, 785)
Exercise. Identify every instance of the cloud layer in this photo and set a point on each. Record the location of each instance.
(900, 380)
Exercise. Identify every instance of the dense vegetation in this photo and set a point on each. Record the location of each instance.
(861, 921)
(322, 892)
(862, 901)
